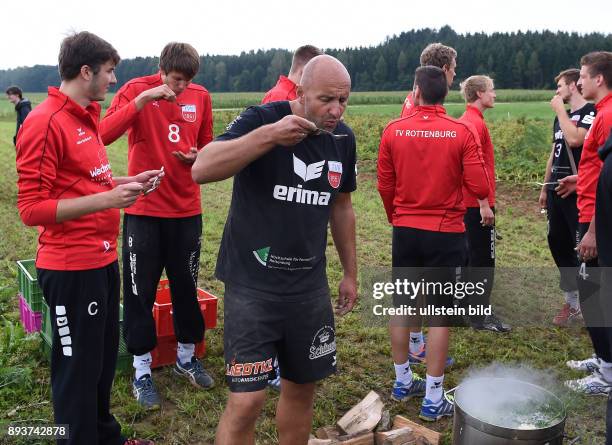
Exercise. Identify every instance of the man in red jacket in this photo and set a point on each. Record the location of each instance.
(438, 55)
(168, 118)
(424, 159)
(596, 83)
(286, 87)
(66, 188)
(479, 219)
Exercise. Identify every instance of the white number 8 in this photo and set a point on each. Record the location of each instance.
(173, 133)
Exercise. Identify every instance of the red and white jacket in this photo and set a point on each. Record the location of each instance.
(475, 117)
(408, 105)
(154, 132)
(284, 89)
(60, 155)
(590, 164)
(423, 161)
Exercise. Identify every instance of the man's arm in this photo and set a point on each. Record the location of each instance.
(223, 159)
(587, 247)
(342, 224)
(573, 134)
(475, 176)
(385, 173)
(547, 174)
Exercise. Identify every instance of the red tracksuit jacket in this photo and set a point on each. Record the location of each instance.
(60, 155)
(154, 132)
(408, 105)
(475, 117)
(284, 89)
(590, 164)
(423, 161)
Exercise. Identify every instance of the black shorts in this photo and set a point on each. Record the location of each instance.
(259, 327)
(434, 259)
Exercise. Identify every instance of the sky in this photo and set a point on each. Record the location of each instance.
(31, 31)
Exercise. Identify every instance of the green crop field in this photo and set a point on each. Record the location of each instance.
(190, 417)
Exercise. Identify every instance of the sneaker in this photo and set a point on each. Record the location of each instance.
(145, 393)
(567, 315)
(421, 358)
(430, 412)
(589, 365)
(402, 392)
(138, 442)
(275, 383)
(195, 372)
(593, 384)
(492, 323)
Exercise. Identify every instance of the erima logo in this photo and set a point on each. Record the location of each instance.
(261, 255)
(307, 172)
(559, 135)
(301, 195)
(588, 119)
(80, 131)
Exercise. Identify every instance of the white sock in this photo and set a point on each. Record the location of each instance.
(416, 342)
(435, 388)
(142, 364)
(606, 370)
(184, 352)
(571, 298)
(403, 373)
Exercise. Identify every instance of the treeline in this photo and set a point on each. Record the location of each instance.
(514, 60)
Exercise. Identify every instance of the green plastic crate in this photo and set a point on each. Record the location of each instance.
(124, 358)
(28, 284)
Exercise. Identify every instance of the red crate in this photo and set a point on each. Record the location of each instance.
(162, 309)
(30, 320)
(164, 353)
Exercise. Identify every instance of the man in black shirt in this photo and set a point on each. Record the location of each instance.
(22, 107)
(294, 169)
(558, 192)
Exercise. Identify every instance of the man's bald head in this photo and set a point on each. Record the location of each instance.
(324, 68)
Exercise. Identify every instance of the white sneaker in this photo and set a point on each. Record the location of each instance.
(593, 384)
(591, 364)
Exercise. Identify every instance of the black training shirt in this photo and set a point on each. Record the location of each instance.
(276, 231)
(561, 166)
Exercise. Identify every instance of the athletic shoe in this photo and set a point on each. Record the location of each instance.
(593, 384)
(491, 323)
(138, 442)
(421, 358)
(430, 412)
(402, 392)
(275, 383)
(567, 315)
(591, 364)
(195, 372)
(145, 392)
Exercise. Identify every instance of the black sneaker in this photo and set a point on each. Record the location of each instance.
(491, 323)
(145, 393)
(195, 372)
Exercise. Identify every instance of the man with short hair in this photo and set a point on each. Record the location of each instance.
(22, 106)
(426, 212)
(596, 83)
(479, 93)
(558, 195)
(286, 87)
(294, 170)
(435, 54)
(66, 187)
(168, 119)
(444, 57)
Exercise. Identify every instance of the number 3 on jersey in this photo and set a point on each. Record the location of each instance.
(558, 148)
(173, 133)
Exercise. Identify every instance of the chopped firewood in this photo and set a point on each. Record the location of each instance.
(385, 421)
(322, 442)
(422, 441)
(433, 438)
(327, 432)
(362, 438)
(364, 416)
(401, 436)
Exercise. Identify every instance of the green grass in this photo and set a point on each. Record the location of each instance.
(190, 416)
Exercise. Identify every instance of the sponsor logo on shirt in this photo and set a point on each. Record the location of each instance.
(249, 372)
(189, 112)
(588, 118)
(283, 262)
(97, 171)
(323, 343)
(438, 134)
(261, 255)
(307, 172)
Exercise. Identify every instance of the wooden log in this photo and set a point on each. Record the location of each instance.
(316, 441)
(327, 432)
(401, 436)
(419, 430)
(363, 438)
(364, 416)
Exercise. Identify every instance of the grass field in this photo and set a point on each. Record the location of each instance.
(190, 417)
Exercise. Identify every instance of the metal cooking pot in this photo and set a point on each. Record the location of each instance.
(469, 430)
